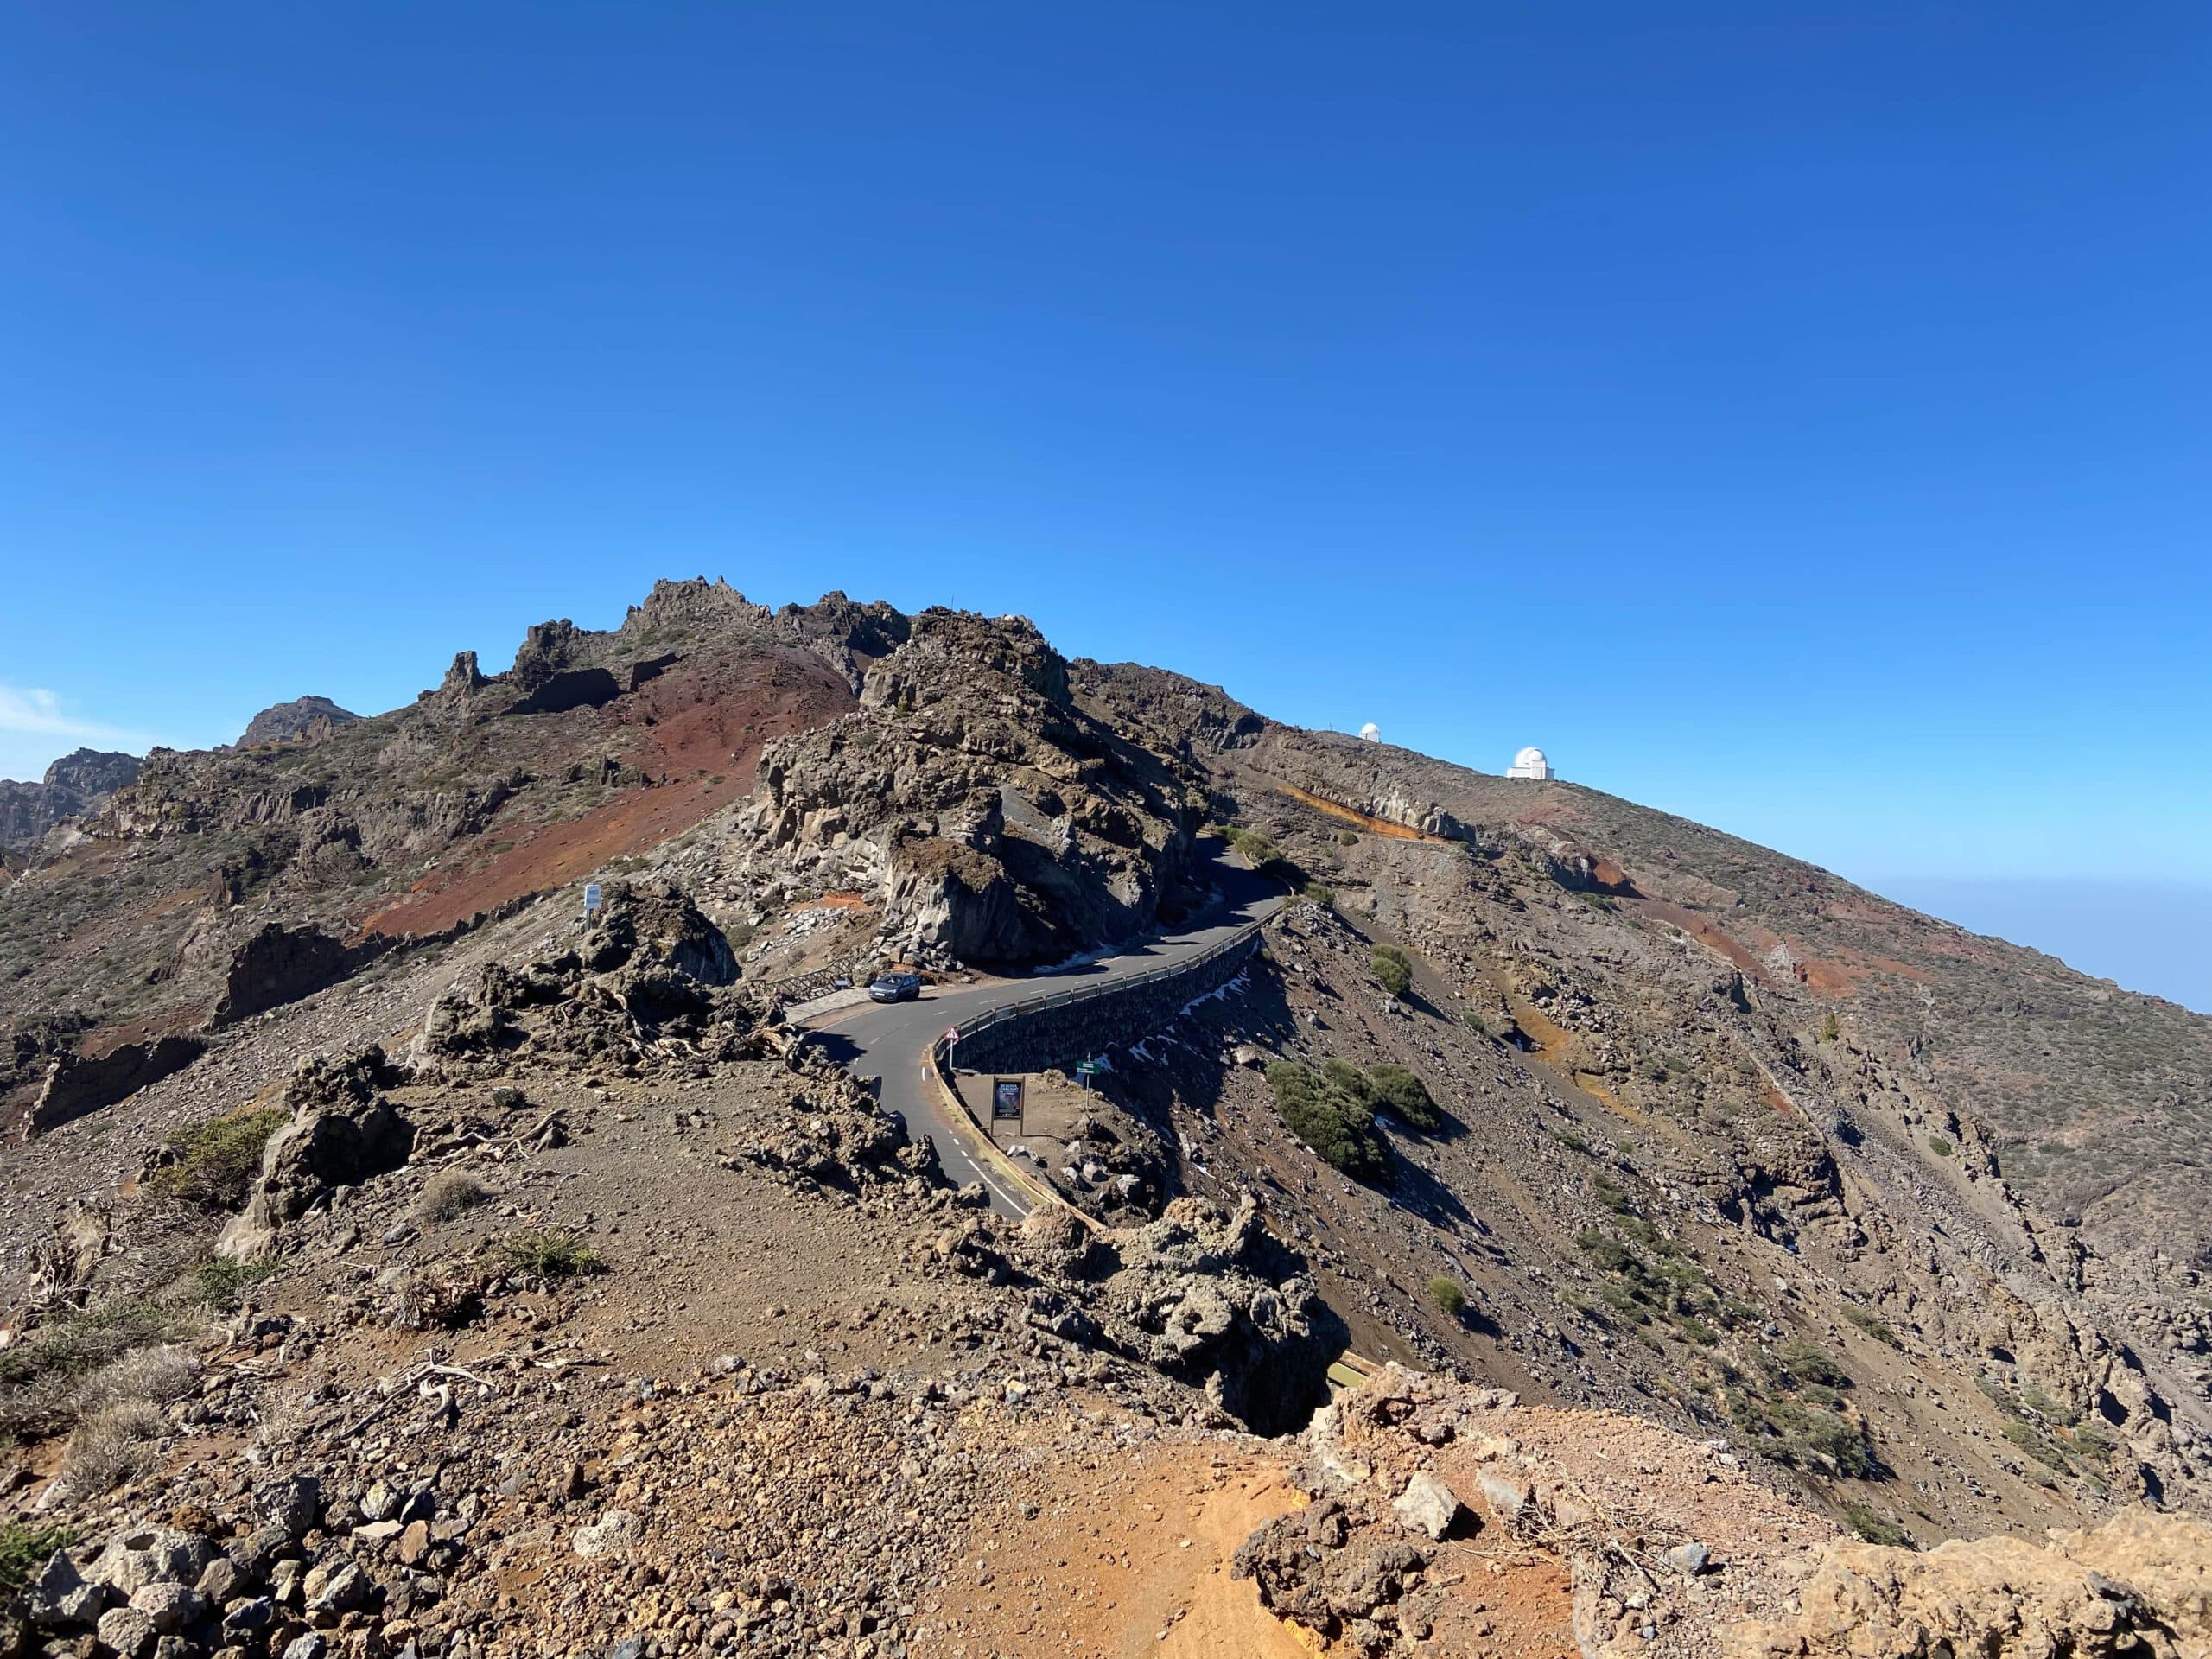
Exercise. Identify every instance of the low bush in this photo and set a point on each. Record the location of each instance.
(1337, 1124)
(1320, 893)
(213, 1165)
(1940, 1146)
(1404, 1095)
(219, 1284)
(2040, 1448)
(1448, 1295)
(1393, 970)
(1808, 1363)
(447, 1194)
(112, 1445)
(148, 1376)
(1873, 1325)
(551, 1252)
(1875, 1529)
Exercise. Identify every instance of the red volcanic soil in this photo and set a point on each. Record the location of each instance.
(1366, 821)
(1705, 934)
(696, 733)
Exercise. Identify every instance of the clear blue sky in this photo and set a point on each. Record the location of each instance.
(1794, 416)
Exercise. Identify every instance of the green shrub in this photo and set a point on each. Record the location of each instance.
(1873, 1527)
(1253, 847)
(551, 1252)
(1475, 1023)
(1393, 970)
(219, 1283)
(1830, 1434)
(1608, 1192)
(1829, 1030)
(1608, 1252)
(1940, 1146)
(1346, 838)
(24, 1549)
(1808, 1363)
(1873, 1325)
(1336, 1123)
(215, 1163)
(1404, 1095)
(2040, 1448)
(1448, 1295)
(1317, 893)
(2094, 1443)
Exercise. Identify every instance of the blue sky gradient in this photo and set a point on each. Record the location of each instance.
(1795, 421)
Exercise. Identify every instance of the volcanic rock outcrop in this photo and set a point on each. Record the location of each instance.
(998, 823)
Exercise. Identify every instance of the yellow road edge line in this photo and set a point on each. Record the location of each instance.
(978, 1141)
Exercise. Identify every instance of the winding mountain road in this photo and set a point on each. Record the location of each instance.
(891, 1041)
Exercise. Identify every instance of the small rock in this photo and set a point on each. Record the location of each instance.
(221, 1583)
(309, 1646)
(613, 1532)
(1506, 1496)
(1688, 1559)
(170, 1606)
(335, 1586)
(1427, 1506)
(59, 1595)
(292, 1504)
(127, 1632)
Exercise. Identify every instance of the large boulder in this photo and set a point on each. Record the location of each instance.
(343, 1132)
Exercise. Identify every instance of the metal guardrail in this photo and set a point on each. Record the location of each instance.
(938, 1060)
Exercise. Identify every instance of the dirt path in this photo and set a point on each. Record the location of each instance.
(1129, 1558)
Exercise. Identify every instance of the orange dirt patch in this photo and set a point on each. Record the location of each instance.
(836, 901)
(698, 734)
(1594, 1086)
(1366, 821)
(1608, 878)
(1713, 939)
(1131, 1557)
(168, 904)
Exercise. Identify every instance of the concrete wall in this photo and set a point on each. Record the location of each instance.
(1056, 1038)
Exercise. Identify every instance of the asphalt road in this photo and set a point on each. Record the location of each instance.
(891, 1041)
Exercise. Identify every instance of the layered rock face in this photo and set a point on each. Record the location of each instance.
(998, 823)
(73, 785)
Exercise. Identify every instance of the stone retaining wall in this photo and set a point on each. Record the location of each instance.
(1037, 1039)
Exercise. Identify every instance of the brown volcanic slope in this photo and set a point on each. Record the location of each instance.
(1720, 1142)
(487, 789)
(2094, 1101)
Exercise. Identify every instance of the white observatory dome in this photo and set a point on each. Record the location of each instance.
(1370, 733)
(1531, 763)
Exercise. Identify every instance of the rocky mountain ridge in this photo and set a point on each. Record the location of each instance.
(74, 785)
(1627, 1117)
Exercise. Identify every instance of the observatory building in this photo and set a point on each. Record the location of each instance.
(1531, 763)
(1370, 733)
